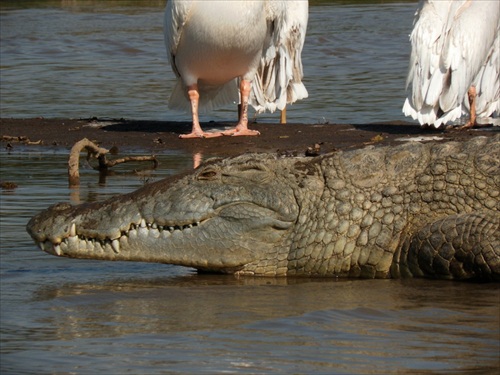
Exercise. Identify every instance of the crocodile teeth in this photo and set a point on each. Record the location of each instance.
(143, 223)
(115, 244)
(57, 250)
(72, 230)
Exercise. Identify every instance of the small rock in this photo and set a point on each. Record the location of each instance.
(313, 150)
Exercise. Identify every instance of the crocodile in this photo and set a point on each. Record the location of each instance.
(411, 210)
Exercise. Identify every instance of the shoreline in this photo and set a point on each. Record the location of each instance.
(158, 136)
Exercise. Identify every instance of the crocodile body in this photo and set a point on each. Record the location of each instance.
(426, 210)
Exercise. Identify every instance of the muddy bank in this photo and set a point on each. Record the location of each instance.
(157, 136)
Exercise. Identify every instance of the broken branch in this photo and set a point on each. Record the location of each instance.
(99, 153)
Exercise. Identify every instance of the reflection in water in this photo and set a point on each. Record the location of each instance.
(306, 324)
(197, 159)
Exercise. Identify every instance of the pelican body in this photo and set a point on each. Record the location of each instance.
(454, 64)
(214, 45)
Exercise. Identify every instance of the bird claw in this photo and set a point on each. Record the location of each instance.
(200, 135)
(240, 132)
(468, 125)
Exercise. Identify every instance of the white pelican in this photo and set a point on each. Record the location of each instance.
(454, 64)
(214, 44)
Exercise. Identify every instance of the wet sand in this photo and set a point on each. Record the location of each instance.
(157, 136)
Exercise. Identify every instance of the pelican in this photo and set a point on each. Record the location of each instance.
(455, 62)
(217, 49)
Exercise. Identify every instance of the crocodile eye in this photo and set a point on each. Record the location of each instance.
(254, 168)
(208, 174)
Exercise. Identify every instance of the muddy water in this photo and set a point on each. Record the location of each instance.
(80, 59)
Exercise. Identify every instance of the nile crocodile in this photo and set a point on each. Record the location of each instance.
(426, 210)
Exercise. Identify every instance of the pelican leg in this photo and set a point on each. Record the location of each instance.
(196, 132)
(242, 126)
(472, 103)
(283, 116)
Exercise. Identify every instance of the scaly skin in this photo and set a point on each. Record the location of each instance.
(413, 210)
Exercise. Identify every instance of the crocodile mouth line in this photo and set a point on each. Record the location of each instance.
(143, 229)
(113, 243)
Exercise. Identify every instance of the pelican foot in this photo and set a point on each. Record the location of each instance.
(246, 132)
(468, 125)
(240, 132)
(201, 135)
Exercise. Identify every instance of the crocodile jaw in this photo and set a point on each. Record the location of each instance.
(224, 241)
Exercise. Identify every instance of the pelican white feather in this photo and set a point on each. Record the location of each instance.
(279, 78)
(455, 46)
(212, 44)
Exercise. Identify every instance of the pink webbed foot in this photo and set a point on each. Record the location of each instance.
(201, 135)
(241, 131)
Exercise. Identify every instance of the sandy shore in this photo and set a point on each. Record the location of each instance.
(157, 136)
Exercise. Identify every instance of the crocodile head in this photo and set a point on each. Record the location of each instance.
(230, 215)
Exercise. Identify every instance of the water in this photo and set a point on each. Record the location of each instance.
(68, 316)
(62, 316)
(81, 59)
